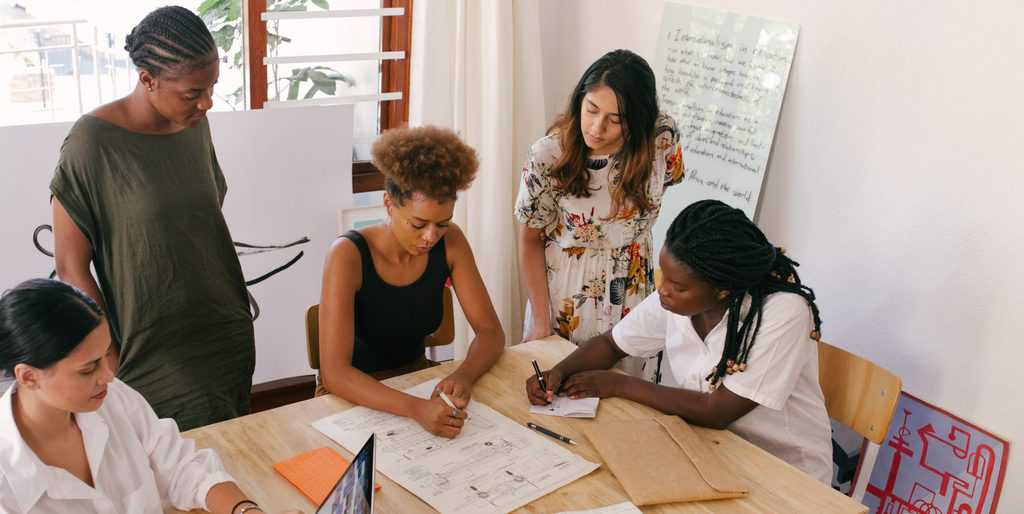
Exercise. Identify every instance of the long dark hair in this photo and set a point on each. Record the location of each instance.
(42, 321)
(632, 80)
(724, 248)
(170, 38)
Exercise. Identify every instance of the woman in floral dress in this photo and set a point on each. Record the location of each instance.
(591, 191)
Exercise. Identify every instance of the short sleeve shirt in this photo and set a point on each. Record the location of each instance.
(790, 420)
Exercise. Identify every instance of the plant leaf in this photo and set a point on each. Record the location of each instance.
(322, 4)
(225, 37)
(210, 5)
(234, 10)
(336, 75)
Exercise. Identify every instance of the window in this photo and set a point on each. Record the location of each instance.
(334, 51)
(62, 58)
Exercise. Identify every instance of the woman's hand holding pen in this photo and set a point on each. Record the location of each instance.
(543, 396)
(438, 418)
(458, 388)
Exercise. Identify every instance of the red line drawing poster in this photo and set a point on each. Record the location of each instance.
(933, 462)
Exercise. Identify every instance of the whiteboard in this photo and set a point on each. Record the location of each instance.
(289, 172)
(722, 77)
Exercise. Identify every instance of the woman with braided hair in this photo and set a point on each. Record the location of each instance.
(137, 194)
(738, 329)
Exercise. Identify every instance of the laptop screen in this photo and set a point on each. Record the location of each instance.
(353, 494)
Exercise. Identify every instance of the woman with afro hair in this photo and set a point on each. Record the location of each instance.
(383, 285)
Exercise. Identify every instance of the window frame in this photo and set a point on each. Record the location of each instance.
(396, 35)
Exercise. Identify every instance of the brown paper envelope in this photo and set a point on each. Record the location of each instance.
(662, 460)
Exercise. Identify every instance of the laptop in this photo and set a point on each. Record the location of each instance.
(353, 494)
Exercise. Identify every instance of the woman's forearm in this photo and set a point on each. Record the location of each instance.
(533, 274)
(224, 496)
(599, 352)
(485, 349)
(359, 388)
(84, 281)
(692, 406)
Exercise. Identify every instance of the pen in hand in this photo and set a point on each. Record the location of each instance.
(448, 401)
(540, 378)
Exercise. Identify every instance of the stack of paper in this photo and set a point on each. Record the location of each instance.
(568, 408)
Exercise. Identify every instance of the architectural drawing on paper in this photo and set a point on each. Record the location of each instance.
(494, 466)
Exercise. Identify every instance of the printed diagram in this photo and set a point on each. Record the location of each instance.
(494, 466)
(935, 463)
(412, 443)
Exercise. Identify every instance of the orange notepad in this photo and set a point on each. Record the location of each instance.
(314, 473)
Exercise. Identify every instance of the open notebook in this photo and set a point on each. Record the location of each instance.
(568, 408)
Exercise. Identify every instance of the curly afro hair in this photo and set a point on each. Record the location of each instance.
(432, 161)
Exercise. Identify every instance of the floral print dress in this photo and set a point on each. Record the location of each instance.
(598, 267)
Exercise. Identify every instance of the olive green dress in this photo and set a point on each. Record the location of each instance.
(150, 205)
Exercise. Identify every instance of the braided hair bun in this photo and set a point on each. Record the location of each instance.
(170, 38)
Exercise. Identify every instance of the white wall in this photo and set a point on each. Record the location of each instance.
(894, 180)
(282, 185)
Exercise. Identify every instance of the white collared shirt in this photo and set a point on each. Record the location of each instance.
(790, 420)
(139, 463)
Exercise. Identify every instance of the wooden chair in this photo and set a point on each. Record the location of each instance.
(445, 334)
(862, 396)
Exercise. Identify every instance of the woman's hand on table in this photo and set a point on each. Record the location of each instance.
(438, 418)
(538, 396)
(458, 388)
(594, 384)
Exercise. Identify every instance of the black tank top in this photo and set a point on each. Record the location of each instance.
(391, 321)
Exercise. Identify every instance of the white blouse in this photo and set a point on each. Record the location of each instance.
(790, 420)
(139, 463)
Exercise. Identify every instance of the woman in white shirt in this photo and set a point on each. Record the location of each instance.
(75, 439)
(738, 329)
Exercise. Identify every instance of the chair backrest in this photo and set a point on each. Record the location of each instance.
(313, 336)
(445, 334)
(858, 393)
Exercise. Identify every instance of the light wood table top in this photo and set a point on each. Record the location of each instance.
(250, 445)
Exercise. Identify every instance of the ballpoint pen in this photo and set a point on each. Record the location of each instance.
(540, 378)
(448, 401)
(549, 433)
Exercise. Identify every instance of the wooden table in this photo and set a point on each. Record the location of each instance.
(250, 445)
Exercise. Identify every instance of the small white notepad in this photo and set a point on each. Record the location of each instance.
(568, 408)
(619, 508)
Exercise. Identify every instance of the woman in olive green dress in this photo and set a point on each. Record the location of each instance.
(137, 194)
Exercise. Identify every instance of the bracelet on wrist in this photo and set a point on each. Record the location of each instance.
(243, 506)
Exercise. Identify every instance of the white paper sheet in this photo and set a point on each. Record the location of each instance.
(494, 466)
(568, 408)
(618, 508)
